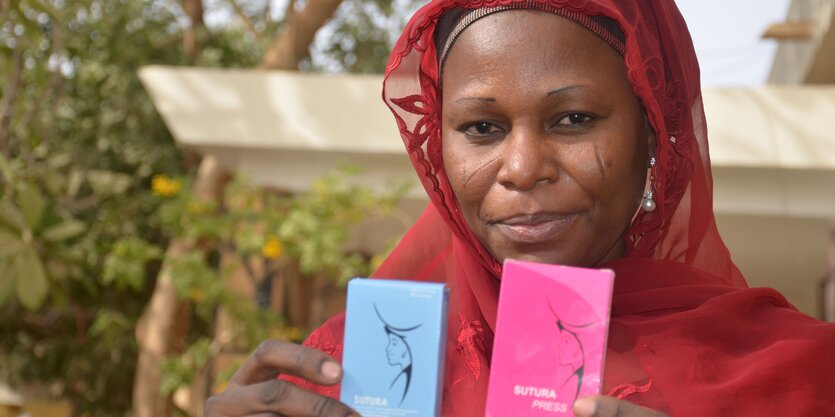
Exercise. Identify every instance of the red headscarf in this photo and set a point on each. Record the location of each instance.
(687, 336)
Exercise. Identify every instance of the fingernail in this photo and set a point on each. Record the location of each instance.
(331, 370)
(585, 407)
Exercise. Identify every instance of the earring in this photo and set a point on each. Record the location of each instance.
(648, 203)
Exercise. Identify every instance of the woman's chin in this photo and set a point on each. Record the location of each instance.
(550, 256)
(568, 250)
(553, 255)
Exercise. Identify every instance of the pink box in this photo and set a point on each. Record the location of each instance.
(550, 338)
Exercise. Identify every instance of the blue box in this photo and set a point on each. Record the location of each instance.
(393, 358)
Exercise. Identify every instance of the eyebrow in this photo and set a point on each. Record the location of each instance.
(482, 99)
(567, 90)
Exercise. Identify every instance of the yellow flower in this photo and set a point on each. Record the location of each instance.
(198, 295)
(376, 261)
(163, 185)
(196, 207)
(293, 333)
(272, 249)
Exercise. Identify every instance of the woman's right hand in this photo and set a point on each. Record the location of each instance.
(255, 391)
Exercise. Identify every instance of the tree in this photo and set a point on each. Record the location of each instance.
(91, 179)
(163, 325)
(81, 142)
(160, 327)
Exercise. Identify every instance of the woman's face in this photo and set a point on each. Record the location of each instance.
(397, 352)
(570, 352)
(544, 142)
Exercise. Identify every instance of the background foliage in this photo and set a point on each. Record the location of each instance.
(93, 187)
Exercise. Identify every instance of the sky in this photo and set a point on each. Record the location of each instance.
(726, 34)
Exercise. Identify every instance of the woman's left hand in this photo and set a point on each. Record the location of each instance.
(611, 407)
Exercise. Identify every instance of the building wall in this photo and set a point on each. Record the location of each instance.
(795, 59)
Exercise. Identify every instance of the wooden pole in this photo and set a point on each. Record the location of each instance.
(790, 31)
(829, 289)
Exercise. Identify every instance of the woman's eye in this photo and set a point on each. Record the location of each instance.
(481, 129)
(574, 119)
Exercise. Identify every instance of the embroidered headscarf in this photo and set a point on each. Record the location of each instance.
(687, 337)
(663, 71)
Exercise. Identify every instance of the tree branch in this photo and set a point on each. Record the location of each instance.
(56, 84)
(191, 36)
(267, 11)
(244, 18)
(25, 121)
(289, 10)
(294, 43)
(10, 91)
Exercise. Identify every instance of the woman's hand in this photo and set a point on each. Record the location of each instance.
(611, 407)
(254, 390)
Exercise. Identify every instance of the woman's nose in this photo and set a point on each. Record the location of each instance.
(527, 161)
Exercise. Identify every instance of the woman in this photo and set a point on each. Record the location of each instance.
(572, 356)
(399, 354)
(572, 132)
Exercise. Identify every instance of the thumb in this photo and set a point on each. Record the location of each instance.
(611, 407)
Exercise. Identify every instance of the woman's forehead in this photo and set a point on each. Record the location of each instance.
(529, 29)
(532, 49)
(454, 22)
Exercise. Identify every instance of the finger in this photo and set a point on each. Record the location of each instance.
(273, 357)
(611, 407)
(217, 402)
(265, 415)
(283, 398)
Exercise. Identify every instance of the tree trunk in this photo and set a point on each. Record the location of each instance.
(285, 53)
(327, 299)
(193, 35)
(294, 43)
(299, 297)
(163, 324)
(157, 334)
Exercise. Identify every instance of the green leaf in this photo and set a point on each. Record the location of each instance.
(6, 169)
(42, 7)
(10, 243)
(10, 217)
(31, 282)
(109, 183)
(63, 231)
(7, 281)
(31, 203)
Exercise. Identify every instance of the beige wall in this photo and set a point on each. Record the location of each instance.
(772, 149)
(800, 245)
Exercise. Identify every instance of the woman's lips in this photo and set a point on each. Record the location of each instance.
(534, 228)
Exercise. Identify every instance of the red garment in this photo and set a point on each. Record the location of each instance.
(687, 336)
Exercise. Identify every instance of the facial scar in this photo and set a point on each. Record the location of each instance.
(469, 176)
(601, 166)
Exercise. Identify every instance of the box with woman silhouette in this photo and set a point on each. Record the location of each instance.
(395, 333)
(550, 338)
